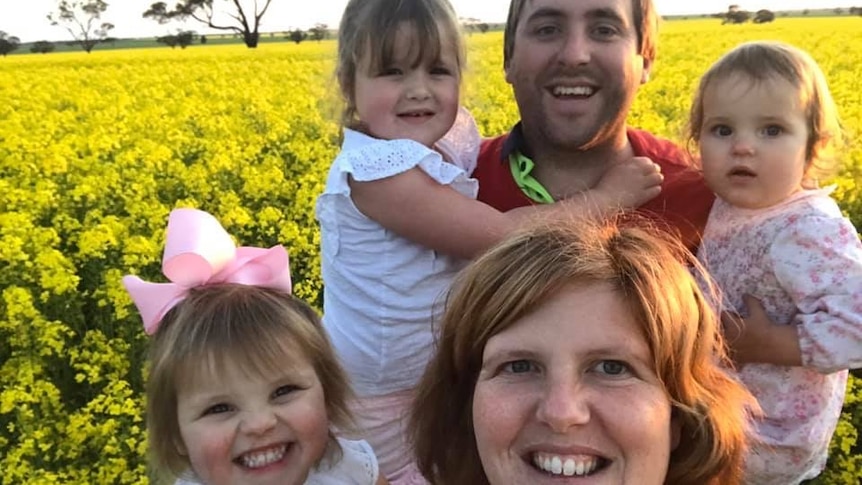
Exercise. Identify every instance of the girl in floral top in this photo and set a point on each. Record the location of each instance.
(785, 258)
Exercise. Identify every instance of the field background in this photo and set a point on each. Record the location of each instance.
(95, 150)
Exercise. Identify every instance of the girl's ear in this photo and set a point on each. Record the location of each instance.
(181, 447)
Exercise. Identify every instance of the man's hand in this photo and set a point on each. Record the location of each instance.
(628, 184)
(756, 338)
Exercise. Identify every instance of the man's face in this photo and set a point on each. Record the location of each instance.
(575, 68)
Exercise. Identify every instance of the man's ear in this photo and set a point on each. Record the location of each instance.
(647, 68)
(507, 72)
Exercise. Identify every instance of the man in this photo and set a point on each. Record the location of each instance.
(575, 67)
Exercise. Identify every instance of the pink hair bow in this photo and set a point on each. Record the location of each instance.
(198, 252)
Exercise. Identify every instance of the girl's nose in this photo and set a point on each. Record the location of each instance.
(417, 88)
(564, 405)
(743, 147)
(259, 421)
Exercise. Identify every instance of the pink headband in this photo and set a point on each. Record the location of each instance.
(199, 252)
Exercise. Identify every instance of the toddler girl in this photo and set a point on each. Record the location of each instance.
(399, 210)
(780, 250)
(244, 386)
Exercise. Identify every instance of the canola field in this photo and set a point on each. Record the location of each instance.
(96, 149)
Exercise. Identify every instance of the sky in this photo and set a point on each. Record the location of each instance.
(26, 19)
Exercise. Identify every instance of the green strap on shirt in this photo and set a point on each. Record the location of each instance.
(521, 167)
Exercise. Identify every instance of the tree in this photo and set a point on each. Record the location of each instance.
(763, 16)
(318, 32)
(81, 19)
(297, 35)
(183, 38)
(244, 22)
(735, 16)
(8, 43)
(42, 47)
(483, 27)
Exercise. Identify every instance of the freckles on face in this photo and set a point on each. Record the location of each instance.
(569, 391)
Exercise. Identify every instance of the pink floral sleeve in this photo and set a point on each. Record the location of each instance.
(818, 261)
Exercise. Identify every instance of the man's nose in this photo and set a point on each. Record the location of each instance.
(576, 49)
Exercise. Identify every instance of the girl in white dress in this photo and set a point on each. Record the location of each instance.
(398, 216)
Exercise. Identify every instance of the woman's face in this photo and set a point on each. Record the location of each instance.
(568, 394)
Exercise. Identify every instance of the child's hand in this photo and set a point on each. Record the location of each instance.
(629, 184)
(756, 338)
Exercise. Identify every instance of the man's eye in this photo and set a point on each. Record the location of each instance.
(605, 31)
(217, 409)
(545, 30)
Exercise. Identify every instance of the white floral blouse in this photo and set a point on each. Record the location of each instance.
(803, 260)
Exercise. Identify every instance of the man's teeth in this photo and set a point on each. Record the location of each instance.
(263, 458)
(569, 466)
(573, 91)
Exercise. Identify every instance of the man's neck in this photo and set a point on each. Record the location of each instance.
(564, 173)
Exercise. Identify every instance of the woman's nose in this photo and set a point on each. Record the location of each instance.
(564, 404)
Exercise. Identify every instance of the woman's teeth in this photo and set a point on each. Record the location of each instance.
(566, 465)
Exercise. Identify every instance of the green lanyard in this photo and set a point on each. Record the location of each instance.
(521, 167)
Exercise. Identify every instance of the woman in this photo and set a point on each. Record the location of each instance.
(580, 350)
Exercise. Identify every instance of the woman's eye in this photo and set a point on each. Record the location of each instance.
(612, 368)
(518, 367)
(217, 409)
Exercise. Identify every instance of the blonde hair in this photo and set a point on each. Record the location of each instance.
(370, 27)
(644, 17)
(762, 61)
(649, 270)
(231, 324)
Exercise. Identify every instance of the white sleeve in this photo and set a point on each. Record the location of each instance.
(818, 262)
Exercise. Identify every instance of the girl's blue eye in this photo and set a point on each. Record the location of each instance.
(217, 409)
(284, 390)
(721, 130)
(773, 130)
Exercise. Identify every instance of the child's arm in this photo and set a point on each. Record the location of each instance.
(381, 480)
(757, 338)
(819, 264)
(414, 206)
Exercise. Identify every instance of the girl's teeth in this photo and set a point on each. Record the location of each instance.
(263, 458)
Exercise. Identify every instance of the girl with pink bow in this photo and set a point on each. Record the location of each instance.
(244, 386)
